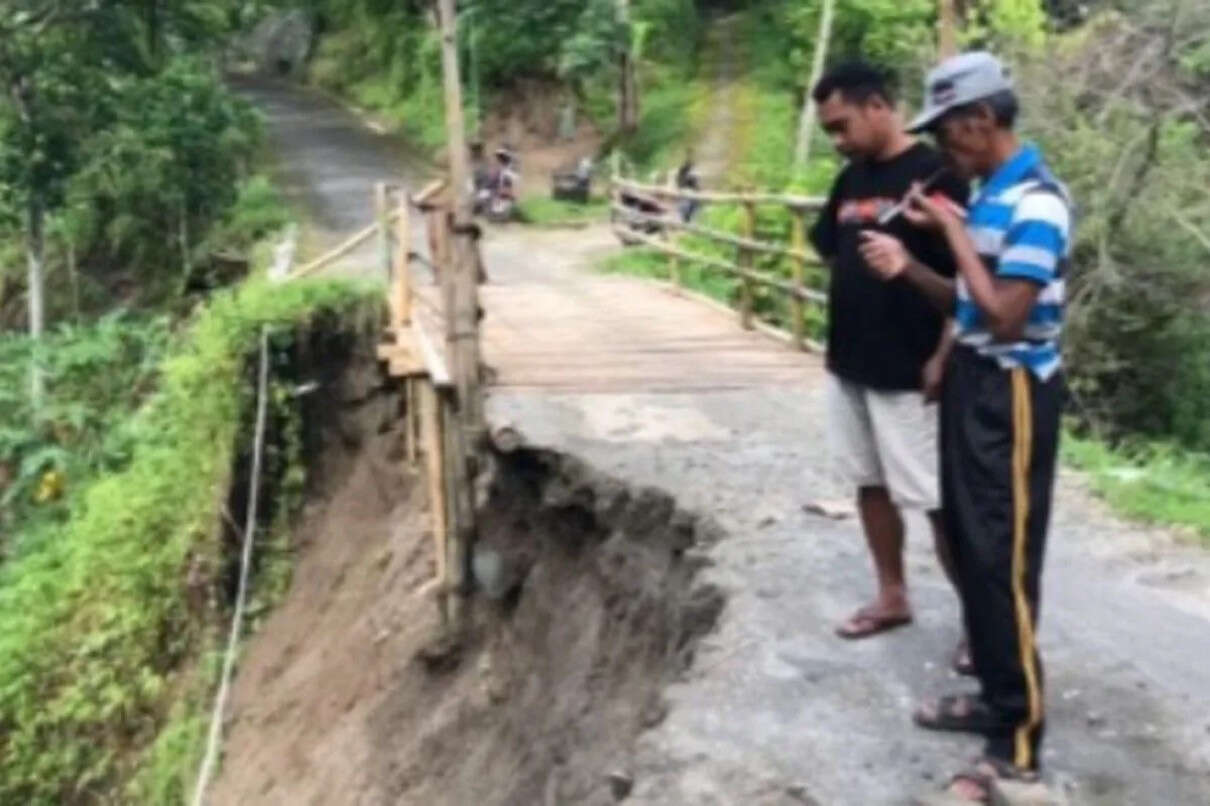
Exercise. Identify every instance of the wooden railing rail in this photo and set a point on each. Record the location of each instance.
(747, 246)
(717, 197)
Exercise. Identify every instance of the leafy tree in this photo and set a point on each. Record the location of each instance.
(1127, 129)
(47, 81)
(163, 168)
(111, 132)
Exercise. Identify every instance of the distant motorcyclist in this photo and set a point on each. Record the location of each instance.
(504, 177)
(498, 198)
(687, 179)
(481, 172)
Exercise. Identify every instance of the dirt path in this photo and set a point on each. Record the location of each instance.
(776, 710)
(714, 148)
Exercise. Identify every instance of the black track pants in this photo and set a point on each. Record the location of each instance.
(999, 439)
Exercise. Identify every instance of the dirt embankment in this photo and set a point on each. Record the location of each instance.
(530, 117)
(589, 609)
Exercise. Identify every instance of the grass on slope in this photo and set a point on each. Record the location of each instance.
(1156, 483)
(104, 642)
(548, 212)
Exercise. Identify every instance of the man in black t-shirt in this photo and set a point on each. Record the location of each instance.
(886, 345)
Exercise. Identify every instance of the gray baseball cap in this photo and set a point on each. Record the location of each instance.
(960, 80)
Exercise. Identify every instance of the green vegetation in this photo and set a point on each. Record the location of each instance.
(125, 165)
(388, 60)
(670, 117)
(544, 211)
(97, 375)
(107, 612)
(391, 66)
(257, 212)
(121, 151)
(1155, 482)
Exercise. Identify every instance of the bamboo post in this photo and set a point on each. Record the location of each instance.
(384, 231)
(462, 318)
(401, 307)
(746, 266)
(674, 266)
(798, 239)
(434, 455)
(465, 421)
(461, 508)
(411, 417)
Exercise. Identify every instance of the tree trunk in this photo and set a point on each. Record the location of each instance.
(35, 253)
(182, 236)
(628, 91)
(151, 12)
(73, 274)
(806, 123)
(947, 28)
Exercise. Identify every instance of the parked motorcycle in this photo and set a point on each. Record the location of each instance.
(640, 215)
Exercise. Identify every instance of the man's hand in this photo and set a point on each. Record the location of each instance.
(932, 376)
(930, 212)
(885, 254)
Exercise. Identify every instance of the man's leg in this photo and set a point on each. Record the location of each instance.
(1016, 686)
(943, 545)
(1001, 499)
(884, 534)
(854, 455)
(905, 430)
(958, 526)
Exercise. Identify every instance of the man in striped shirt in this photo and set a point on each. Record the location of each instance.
(1001, 400)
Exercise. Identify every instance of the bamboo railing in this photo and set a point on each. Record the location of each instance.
(412, 353)
(793, 289)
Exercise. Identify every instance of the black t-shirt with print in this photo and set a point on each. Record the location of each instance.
(880, 334)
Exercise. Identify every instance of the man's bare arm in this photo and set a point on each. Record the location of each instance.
(940, 291)
(1005, 303)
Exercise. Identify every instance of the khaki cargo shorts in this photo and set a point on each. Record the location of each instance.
(885, 439)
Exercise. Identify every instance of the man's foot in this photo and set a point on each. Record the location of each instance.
(964, 713)
(961, 662)
(977, 783)
(957, 713)
(874, 619)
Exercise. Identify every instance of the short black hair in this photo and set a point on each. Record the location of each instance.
(1004, 107)
(857, 82)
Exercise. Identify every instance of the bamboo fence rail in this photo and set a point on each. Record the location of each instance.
(748, 247)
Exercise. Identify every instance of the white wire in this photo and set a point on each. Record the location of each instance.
(224, 690)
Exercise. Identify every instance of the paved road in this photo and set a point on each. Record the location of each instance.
(776, 710)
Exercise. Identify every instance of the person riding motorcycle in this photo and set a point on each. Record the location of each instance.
(498, 194)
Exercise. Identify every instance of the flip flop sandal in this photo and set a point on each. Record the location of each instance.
(984, 774)
(865, 625)
(957, 713)
(981, 779)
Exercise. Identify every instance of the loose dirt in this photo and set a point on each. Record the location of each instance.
(527, 118)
